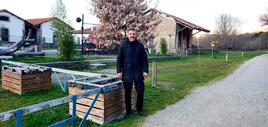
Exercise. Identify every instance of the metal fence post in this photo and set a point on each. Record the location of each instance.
(90, 108)
(65, 82)
(74, 110)
(19, 118)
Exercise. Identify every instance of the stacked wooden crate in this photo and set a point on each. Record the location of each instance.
(21, 79)
(108, 107)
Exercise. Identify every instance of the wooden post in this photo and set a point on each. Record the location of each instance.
(226, 57)
(242, 54)
(154, 74)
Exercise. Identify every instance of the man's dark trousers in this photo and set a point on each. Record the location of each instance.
(139, 86)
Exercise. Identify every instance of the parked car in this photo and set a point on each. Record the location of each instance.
(88, 45)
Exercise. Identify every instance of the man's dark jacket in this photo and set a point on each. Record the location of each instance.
(132, 65)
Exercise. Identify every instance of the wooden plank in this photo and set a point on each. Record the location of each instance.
(11, 89)
(39, 75)
(10, 82)
(103, 105)
(17, 81)
(84, 109)
(40, 84)
(35, 80)
(102, 97)
(12, 75)
(100, 120)
(11, 85)
(74, 90)
(100, 112)
(87, 102)
(35, 89)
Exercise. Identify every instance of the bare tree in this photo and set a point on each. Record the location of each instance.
(226, 29)
(117, 15)
(264, 19)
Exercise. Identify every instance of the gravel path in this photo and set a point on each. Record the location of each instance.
(239, 100)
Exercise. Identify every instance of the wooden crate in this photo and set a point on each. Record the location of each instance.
(108, 107)
(22, 83)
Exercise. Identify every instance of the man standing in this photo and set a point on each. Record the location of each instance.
(132, 66)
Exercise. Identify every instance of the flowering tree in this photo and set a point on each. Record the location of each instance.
(117, 15)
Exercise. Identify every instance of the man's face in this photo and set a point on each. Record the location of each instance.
(131, 34)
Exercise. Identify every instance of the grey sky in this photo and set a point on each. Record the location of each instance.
(200, 12)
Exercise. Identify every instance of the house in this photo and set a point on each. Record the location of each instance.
(46, 32)
(177, 32)
(12, 27)
(87, 35)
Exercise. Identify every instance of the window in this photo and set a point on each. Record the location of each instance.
(4, 18)
(4, 34)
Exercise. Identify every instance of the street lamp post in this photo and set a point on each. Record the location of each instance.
(78, 19)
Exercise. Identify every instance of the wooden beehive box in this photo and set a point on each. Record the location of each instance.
(108, 107)
(19, 81)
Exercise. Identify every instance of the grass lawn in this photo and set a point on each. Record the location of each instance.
(176, 79)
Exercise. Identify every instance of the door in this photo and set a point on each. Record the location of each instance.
(4, 34)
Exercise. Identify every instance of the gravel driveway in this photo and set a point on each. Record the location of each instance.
(239, 100)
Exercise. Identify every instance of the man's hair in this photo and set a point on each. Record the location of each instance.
(131, 28)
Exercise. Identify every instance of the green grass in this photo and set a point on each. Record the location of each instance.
(11, 101)
(176, 79)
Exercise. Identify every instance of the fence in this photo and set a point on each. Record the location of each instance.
(105, 85)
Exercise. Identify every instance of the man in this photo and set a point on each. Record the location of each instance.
(132, 66)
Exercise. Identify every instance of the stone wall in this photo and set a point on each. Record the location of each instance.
(166, 29)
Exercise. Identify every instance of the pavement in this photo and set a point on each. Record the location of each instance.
(239, 100)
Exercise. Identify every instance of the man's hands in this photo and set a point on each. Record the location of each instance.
(145, 75)
(119, 75)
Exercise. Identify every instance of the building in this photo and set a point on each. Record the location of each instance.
(12, 27)
(46, 32)
(177, 32)
(87, 36)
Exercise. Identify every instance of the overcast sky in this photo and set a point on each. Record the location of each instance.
(200, 12)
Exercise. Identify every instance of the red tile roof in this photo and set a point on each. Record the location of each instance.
(39, 20)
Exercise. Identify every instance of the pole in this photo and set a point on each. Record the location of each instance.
(154, 74)
(226, 57)
(212, 52)
(82, 32)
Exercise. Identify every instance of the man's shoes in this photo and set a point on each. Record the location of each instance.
(141, 113)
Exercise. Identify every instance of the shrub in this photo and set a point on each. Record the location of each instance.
(163, 46)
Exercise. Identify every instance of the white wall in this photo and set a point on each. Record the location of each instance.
(15, 26)
(47, 32)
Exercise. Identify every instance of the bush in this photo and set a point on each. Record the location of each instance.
(163, 46)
